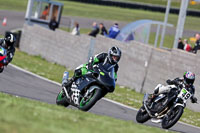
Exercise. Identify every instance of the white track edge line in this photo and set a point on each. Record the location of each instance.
(38, 76)
(120, 104)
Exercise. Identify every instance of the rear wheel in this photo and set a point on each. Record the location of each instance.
(142, 115)
(61, 99)
(170, 119)
(94, 94)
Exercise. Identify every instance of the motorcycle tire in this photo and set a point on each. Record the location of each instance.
(169, 123)
(142, 115)
(61, 99)
(96, 94)
(1, 69)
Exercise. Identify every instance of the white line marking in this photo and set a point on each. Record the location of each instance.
(188, 125)
(120, 104)
(23, 70)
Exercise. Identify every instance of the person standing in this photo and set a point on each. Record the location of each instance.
(180, 44)
(114, 31)
(76, 29)
(187, 46)
(197, 43)
(103, 30)
(53, 24)
(45, 13)
(95, 30)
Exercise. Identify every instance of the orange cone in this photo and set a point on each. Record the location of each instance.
(4, 23)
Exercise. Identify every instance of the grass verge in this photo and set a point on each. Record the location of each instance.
(121, 94)
(174, 3)
(19, 115)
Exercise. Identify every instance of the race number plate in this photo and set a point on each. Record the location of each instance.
(184, 94)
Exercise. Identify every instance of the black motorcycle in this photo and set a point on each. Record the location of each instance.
(166, 107)
(88, 89)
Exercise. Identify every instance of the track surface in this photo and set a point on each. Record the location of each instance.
(20, 83)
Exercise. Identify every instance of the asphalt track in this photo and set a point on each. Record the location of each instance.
(25, 84)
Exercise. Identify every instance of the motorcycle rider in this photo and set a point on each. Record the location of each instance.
(113, 56)
(8, 44)
(187, 81)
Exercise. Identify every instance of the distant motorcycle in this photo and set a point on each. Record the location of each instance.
(3, 58)
(166, 107)
(88, 89)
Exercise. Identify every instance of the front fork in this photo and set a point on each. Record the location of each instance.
(67, 94)
(177, 102)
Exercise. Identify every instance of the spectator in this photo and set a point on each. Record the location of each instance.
(45, 13)
(180, 44)
(197, 43)
(76, 29)
(103, 30)
(187, 46)
(95, 30)
(53, 24)
(114, 31)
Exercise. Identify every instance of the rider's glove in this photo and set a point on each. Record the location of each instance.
(169, 82)
(194, 99)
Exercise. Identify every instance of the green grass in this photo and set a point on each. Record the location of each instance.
(105, 12)
(121, 94)
(19, 115)
(168, 40)
(38, 65)
(126, 96)
(18, 5)
(174, 3)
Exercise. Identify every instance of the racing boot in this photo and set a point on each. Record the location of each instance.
(152, 96)
(68, 84)
(150, 100)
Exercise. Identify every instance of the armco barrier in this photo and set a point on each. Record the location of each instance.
(142, 67)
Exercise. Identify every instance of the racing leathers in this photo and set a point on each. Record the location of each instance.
(83, 69)
(10, 50)
(177, 82)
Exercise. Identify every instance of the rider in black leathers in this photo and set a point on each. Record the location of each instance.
(8, 44)
(112, 57)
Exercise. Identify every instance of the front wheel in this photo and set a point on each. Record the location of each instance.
(1, 69)
(94, 93)
(142, 115)
(61, 99)
(170, 119)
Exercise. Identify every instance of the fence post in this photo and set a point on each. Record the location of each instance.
(91, 48)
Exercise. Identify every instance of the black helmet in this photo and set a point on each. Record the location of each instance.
(189, 78)
(114, 55)
(10, 39)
